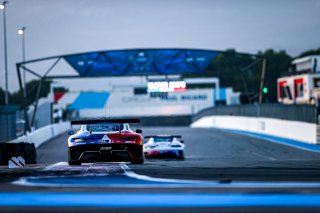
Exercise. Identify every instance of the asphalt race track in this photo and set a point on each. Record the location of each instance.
(219, 166)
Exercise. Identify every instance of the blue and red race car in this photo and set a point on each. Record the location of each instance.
(105, 140)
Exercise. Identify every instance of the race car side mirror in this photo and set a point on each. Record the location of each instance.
(181, 141)
(139, 131)
(71, 133)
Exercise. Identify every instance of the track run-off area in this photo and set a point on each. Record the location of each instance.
(222, 170)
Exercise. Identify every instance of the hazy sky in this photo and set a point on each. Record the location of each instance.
(57, 27)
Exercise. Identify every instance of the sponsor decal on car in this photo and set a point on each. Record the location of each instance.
(105, 139)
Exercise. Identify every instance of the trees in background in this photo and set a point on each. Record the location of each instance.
(243, 72)
(2, 96)
(278, 63)
(32, 87)
(310, 52)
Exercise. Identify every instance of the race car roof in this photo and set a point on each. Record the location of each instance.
(97, 121)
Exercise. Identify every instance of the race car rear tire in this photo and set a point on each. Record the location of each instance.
(74, 162)
(146, 155)
(71, 158)
(137, 161)
(181, 155)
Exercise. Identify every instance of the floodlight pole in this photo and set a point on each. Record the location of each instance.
(26, 118)
(36, 103)
(22, 32)
(4, 8)
(263, 73)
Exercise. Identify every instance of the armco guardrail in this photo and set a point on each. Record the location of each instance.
(303, 113)
(163, 120)
(176, 120)
(43, 134)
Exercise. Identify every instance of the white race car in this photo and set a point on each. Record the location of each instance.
(163, 146)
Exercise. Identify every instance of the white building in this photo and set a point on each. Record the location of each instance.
(304, 87)
(130, 96)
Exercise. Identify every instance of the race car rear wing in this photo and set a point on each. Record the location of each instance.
(97, 121)
(169, 136)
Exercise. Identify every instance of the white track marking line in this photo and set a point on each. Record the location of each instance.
(218, 184)
(134, 175)
(164, 183)
(50, 167)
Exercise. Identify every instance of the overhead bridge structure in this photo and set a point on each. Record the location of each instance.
(127, 62)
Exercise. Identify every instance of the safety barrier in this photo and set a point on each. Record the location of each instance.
(176, 120)
(164, 120)
(293, 112)
(44, 134)
(25, 146)
(25, 150)
(295, 130)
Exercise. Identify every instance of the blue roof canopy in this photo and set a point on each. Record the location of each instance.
(90, 100)
(141, 62)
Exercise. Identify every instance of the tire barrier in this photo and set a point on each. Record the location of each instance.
(25, 150)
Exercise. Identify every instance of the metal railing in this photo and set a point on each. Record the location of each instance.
(303, 113)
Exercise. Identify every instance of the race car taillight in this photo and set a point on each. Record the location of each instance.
(117, 138)
(129, 138)
(133, 139)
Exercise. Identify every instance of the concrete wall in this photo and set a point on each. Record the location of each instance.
(44, 134)
(301, 131)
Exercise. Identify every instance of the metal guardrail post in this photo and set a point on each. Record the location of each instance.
(263, 73)
(26, 118)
